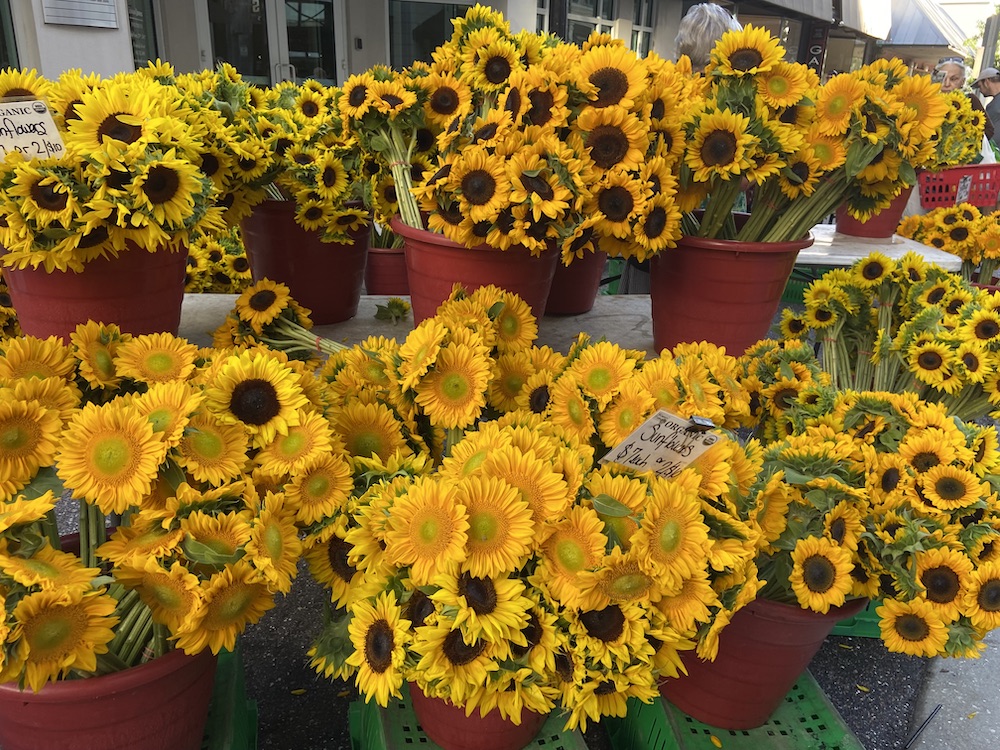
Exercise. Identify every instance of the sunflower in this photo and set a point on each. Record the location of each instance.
(274, 545)
(837, 102)
(29, 434)
(326, 553)
(142, 538)
(262, 303)
(453, 393)
(927, 448)
(691, 604)
(211, 451)
(320, 487)
(601, 369)
(427, 530)
(951, 488)
(109, 455)
(568, 409)
(575, 545)
(820, 576)
(231, 599)
(29, 357)
(719, 146)
(172, 595)
(379, 634)
(165, 187)
(258, 393)
(419, 351)
(981, 602)
(49, 569)
(500, 535)
(155, 358)
(96, 346)
(445, 657)
(516, 327)
(783, 85)
(538, 484)
(613, 136)
(490, 609)
(28, 83)
(115, 114)
(356, 98)
(489, 67)
(369, 429)
(304, 442)
(62, 631)
(912, 627)
(944, 574)
(610, 76)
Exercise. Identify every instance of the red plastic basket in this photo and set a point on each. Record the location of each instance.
(978, 184)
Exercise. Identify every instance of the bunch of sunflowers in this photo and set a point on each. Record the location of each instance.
(888, 497)
(217, 264)
(181, 449)
(525, 140)
(143, 166)
(804, 148)
(904, 326)
(961, 230)
(297, 150)
(960, 137)
(485, 558)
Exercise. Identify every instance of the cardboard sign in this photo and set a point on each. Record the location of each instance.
(664, 444)
(964, 188)
(27, 126)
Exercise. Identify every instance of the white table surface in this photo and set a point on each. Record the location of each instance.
(830, 248)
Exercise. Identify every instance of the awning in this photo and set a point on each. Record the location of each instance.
(821, 9)
(872, 17)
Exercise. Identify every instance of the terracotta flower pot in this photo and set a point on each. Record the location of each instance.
(725, 292)
(449, 727)
(160, 705)
(141, 292)
(325, 277)
(881, 225)
(434, 264)
(575, 287)
(762, 652)
(385, 271)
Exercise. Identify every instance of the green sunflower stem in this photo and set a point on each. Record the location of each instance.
(451, 436)
(293, 337)
(138, 637)
(159, 640)
(719, 210)
(400, 154)
(50, 527)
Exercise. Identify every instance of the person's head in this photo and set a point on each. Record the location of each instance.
(702, 26)
(952, 74)
(988, 82)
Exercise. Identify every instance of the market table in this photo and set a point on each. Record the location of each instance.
(624, 319)
(831, 248)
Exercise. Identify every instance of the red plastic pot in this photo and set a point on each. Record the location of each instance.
(160, 705)
(385, 271)
(880, 226)
(449, 727)
(325, 277)
(762, 652)
(725, 292)
(434, 264)
(574, 287)
(141, 292)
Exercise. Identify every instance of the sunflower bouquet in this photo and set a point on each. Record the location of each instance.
(801, 148)
(217, 264)
(960, 137)
(530, 141)
(297, 150)
(485, 558)
(904, 326)
(134, 171)
(180, 449)
(887, 497)
(961, 230)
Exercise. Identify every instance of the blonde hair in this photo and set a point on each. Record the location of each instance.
(702, 26)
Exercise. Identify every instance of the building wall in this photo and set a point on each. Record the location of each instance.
(54, 48)
(185, 50)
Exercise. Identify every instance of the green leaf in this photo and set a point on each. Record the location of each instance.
(860, 155)
(45, 480)
(608, 506)
(201, 553)
(173, 473)
(792, 476)
(379, 143)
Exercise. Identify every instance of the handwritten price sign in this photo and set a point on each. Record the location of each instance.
(663, 444)
(27, 127)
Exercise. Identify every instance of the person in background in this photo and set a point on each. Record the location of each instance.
(988, 84)
(700, 28)
(952, 74)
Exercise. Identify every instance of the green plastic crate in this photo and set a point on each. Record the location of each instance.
(232, 718)
(806, 720)
(864, 624)
(396, 727)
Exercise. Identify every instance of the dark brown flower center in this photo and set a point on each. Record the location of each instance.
(478, 187)
(929, 360)
(818, 573)
(745, 58)
(162, 184)
(924, 461)
(254, 401)
(942, 584)
(988, 598)
(606, 624)
(540, 111)
(114, 128)
(497, 69)
(611, 84)
(336, 553)
(616, 203)
(911, 627)
(719, 148)
(608, 145)
(357, 96)
(460, 653)
(537, 185)
(538, 400)
(656, 222)
(987, 329)
(309, 108)
(262, 300)
(47, 198)
(513, 102)
(378, 646)
(872, 271)
(532, 633)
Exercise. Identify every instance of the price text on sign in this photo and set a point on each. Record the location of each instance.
(663, 444)
(27, 126)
